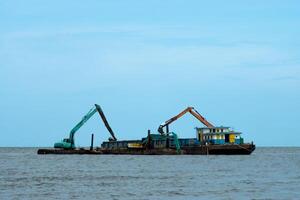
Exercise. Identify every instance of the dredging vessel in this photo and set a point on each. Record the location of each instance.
(209, 140)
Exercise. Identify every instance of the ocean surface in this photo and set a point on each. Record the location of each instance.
(269, 173)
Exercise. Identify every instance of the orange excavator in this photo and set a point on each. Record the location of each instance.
(191, 110)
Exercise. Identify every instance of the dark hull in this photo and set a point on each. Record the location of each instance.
(64, 151)
(244, 149)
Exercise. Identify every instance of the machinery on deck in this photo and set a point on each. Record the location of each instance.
(210, 139)
(69, 143)
(191, 110)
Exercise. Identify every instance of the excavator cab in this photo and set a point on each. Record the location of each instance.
(67, 140)
(64, 144)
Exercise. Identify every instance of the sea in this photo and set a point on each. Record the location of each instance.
(268, 173)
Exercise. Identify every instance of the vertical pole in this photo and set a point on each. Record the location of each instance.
(149, 140)
(92, 142)
(207, 151)
(167, 141)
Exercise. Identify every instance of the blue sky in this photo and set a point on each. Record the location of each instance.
(236, 62)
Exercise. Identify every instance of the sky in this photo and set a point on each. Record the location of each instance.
(236, 62)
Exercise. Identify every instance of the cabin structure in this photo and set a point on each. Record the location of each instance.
(120, 144)
(218, 135)
(159, 141)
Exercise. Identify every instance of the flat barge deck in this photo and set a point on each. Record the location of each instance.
(244, 149)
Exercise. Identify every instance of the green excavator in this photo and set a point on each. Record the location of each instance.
(69, 143)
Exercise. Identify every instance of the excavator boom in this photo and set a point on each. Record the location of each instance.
(191, 110)
(68, 143)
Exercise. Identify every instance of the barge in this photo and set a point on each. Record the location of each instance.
(209, 140)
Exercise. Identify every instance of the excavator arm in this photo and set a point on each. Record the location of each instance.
(106, 123)
(191, 110)
(195, 113)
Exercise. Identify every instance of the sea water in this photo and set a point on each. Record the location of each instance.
(268, 173)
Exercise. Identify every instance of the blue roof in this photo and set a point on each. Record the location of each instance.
(216, 127)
